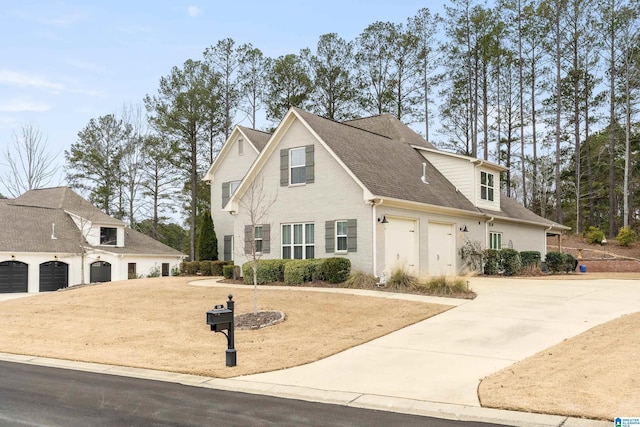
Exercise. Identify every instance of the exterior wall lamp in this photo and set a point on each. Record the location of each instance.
(383, 220)
(464, 229)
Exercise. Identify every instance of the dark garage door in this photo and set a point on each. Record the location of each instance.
(54, 275)
(13, 277)
(100, 272)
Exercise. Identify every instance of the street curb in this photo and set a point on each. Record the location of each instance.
(350, 399)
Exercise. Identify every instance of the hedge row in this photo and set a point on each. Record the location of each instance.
(298, 271)
(509, 262)
(558, 261)
(203, 268)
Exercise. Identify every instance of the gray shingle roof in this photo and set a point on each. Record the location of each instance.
(257, 137)
(26, 225)
(66, 199)
(386, 167)
(387, 125)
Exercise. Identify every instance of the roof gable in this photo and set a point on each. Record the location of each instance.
(389, 126)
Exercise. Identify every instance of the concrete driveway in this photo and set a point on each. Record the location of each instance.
(443, 359)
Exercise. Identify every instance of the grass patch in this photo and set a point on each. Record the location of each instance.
(444, 286)
(361, 280)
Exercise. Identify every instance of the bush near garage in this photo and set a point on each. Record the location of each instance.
(492, 262)
(532, 258)
(511, 262)
(299, 271)
(336, 270)
(556, 261)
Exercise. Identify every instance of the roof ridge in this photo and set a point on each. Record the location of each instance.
(348, 125)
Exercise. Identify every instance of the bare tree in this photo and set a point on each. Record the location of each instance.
(257, 230)
(30, 165)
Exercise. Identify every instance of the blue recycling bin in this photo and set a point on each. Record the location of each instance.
(583, 268)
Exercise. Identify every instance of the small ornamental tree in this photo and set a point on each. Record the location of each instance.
(207, 240)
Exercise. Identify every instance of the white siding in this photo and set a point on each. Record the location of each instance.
(486, 204)
(458, 171)
(233, 167)
(333, 195)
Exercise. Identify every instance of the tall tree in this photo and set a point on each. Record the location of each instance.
(29, 164)
(207, 240)
(133, 159)
(179, 112)
(331, 70)
(93, 163)
(425, 27)
(288, 85)
(374, 58)
(252, 74)
(406, 79)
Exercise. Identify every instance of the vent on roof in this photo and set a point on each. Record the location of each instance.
(53, 231)
(424, 173)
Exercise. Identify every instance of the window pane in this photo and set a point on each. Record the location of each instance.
(341, 228)
(298, 175)
(286, 234)
(233, 186)
(491, 194)
(342, 243)
(483, 178)
(309, 233)
(310, 252)
(286, 252)
(483, 193)
(258, 245)
(297, 252)
(297, 234)
(297, 157)
(490, 180)
(258, 234)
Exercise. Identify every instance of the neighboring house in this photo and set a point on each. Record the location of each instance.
(51, 238)
(371, 190)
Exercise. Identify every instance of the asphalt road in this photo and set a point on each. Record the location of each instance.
(41, 396)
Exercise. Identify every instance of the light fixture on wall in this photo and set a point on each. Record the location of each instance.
(13, 257)
(98, 258)
(464, 229)
(55, 257)
(383, 220)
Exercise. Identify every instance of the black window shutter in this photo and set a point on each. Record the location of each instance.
(248, 240)
(329, 236)
(225, 193)
(266, 238)
(352, 235)
(227, 247)
(309, 165)
(284, 167)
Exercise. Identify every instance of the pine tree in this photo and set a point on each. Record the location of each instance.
(207, 240)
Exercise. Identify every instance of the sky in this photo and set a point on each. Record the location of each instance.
(65, 62)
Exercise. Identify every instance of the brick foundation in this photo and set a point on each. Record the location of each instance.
(598, 265)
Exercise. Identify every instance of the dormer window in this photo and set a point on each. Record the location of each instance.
(297, 158)
(108, 236)
(486, 186)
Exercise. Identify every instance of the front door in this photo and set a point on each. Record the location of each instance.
(441, 250)
(401, 245)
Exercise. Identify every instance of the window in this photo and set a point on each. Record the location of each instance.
(257, 236)
(297, 166)
(228, 188)
(233, 186)
(298, 241)
(341, 236)
(240, 147)
(131, 271)
(228, 248)
(165, 269)
(108, 236)
(495, 240)
(486, 186)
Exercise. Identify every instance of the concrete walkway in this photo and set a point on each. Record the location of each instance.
(443, 359)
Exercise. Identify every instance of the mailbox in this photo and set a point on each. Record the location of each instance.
(219, 318)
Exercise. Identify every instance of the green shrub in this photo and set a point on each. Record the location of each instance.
(492, 262)
(183, 268)
(530, 258)
(570, 263)
(555, 261)
(269, 270)
(626, 236)
(191, 268)
(594, 235)
(336, 269)
(299, 271)
(361, 280)
(205, 268)
(217, 267)
(175, 270)
(511, 263)
(227, 271)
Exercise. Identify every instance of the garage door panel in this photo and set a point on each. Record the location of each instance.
(54, 275)
(14, 277)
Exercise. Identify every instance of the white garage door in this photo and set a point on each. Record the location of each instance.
(401, 245)
(441, 250)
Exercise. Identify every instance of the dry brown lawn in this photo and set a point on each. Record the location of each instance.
(160, 324)
(594, 375)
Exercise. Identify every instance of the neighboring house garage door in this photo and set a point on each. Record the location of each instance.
(54, 275)
(100, 272)
(13, 277)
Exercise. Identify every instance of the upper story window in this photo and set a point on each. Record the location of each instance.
(297, 166)
(228, 188)
(258, 238)
(108, 236)
(486, 186)
(341, 236)
(240, 147)
(233, 186)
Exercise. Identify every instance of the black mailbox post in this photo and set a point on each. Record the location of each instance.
(221, 319)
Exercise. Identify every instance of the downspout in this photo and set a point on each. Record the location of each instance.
(545, 239)
(374, 237)
(486, 234)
